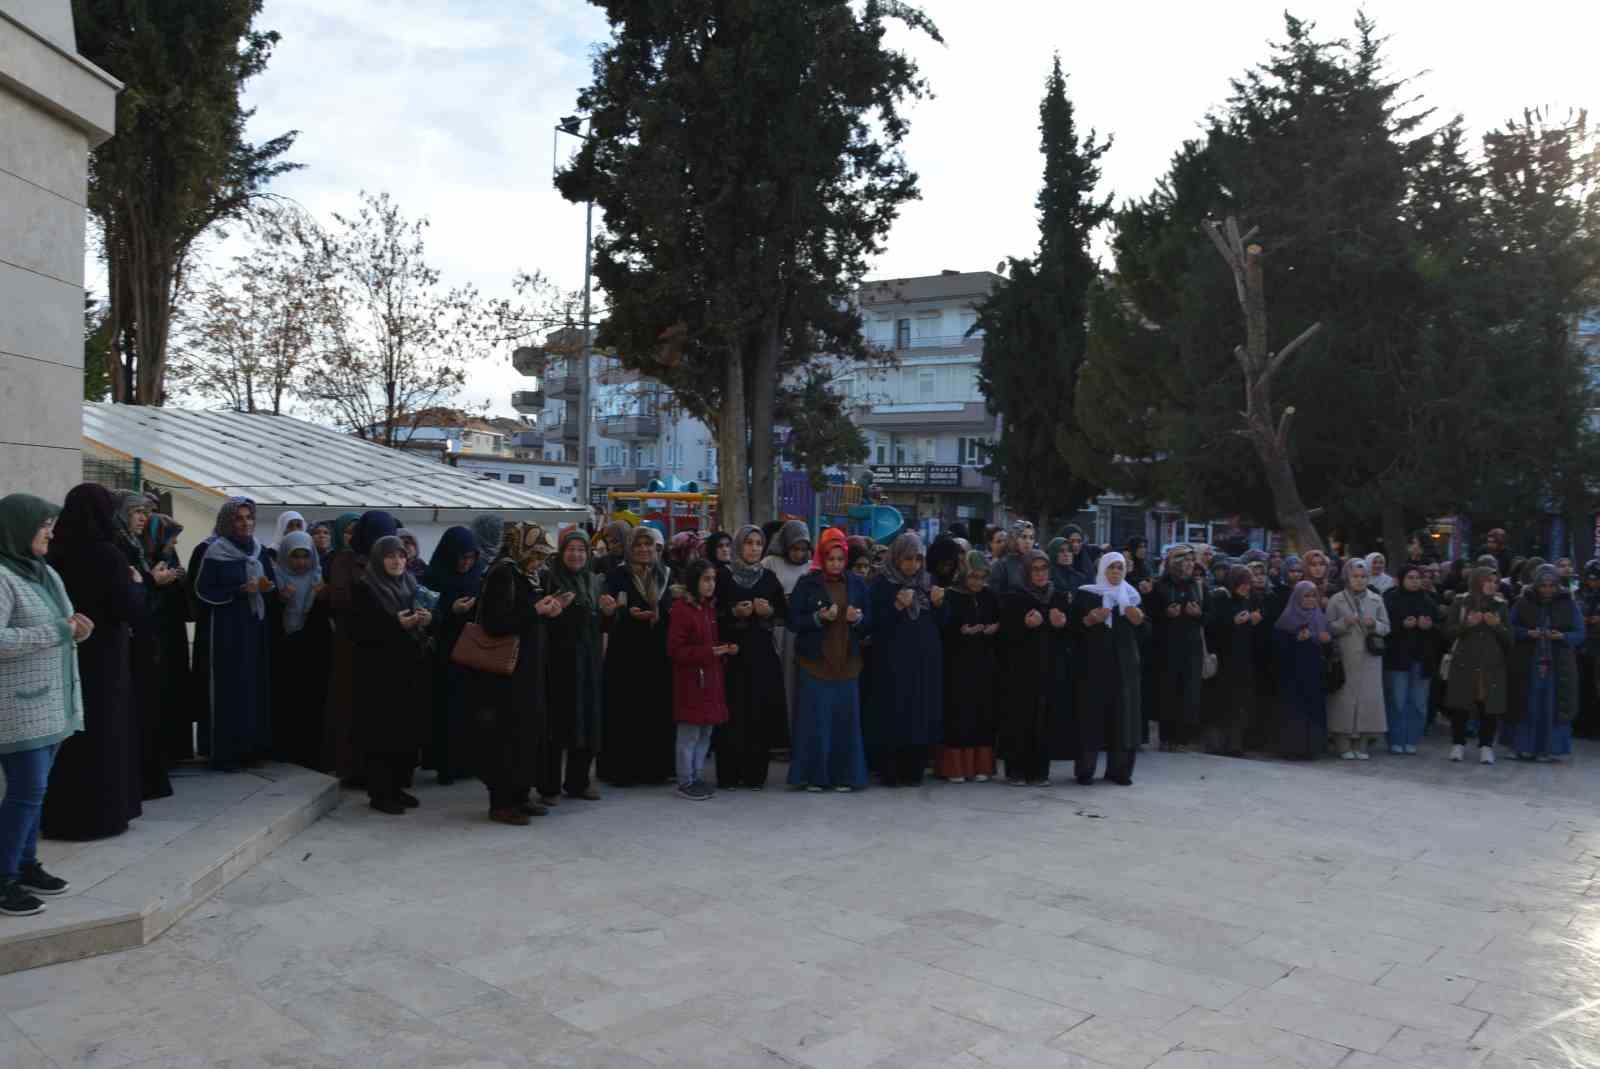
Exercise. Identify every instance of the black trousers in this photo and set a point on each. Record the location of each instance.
(743, 756)
(1119, 764)
(389, 773)
(576, 781)
(1488, 727)
(903, 766)
(1030, 766)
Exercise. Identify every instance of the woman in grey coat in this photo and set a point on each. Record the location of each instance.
(1356, 712)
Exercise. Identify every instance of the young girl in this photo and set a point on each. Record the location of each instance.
(699, 702)
(972, 622)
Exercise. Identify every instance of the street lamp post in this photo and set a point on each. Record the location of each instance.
(572, 125)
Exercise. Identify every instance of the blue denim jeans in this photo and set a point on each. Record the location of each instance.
(27, 775)
(694, 742)
(1408, 705)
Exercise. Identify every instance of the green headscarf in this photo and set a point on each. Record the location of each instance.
(340, 526)
(21, 516)
(581, 583)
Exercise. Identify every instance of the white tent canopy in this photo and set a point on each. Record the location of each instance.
(285, 464)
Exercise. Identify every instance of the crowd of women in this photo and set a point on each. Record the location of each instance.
(543, 666)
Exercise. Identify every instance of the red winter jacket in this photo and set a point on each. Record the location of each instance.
(698, 696)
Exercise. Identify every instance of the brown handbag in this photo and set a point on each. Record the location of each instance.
(482, 652)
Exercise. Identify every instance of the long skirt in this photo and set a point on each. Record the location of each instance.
(1538, 732)
(783, 639)
(827, 733)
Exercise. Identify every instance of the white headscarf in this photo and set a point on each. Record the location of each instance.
(1118, 597)
(284, 518)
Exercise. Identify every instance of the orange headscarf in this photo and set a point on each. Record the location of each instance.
(829, 538)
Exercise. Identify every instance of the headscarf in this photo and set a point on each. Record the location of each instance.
(414, 564)
(907, 547)
(618, 531)
(944, 550)
(371, 527)
(1237, 576)
(580, 583)
(745, 575)
(441, 575)
(1295, 616)
(650, 578)
(1540, 574)
(974, 561)
(1174, 551)
(87, 517)
(394, 593)
(343, 523)
(715, 540)
(490, 531)
(1063, 578)
(791, 532)
(129, 502)
(21, 516)
(1292, 563)
(224, 548)
(1043, 594)
(1118, 597)
(1381, 583)
(857, 549)
(299, 603)
(1475, 580)
(1017, 530)
(162, 528)
(830, 537)
(1349, 570)
(284, 519)
(685, 548)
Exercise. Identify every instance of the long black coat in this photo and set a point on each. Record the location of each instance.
(638, 688)
(1036, 664)
(758, 710)
(390, 679)
(1108, 675)
(506, 714)
(970, 679)
(1178, 646)
(96, 785)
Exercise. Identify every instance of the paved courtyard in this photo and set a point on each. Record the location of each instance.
(1399, 913)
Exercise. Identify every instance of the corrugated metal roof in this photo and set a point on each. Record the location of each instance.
(940, 287)
(278, 460)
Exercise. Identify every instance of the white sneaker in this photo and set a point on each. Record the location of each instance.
(1362, 755)
(1486, 755)
(1457, 752)
(980, 778)
(1411, 750)
(1397, 749)
(956, 779)
(1348, 755)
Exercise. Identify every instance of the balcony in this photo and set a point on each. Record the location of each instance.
(528, 402)
(936, 341)
(631, 426)
(625, 478)
(560, 380)
(529, 439)
(528, 360)
(561, 427)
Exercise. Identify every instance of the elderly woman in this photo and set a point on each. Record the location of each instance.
(1036, 718)
(1176, 608)
(750, 603)
(41, 699)
(1478, 626)
(906, 715)
(133, 520)
(1547, 629)
(576, 680)
(1106, 621)
(95, 785)
(639, 728)
(235, 580)
(971, 630)
(390, 663)
(1356, 616)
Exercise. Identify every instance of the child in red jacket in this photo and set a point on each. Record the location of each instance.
(699, 702)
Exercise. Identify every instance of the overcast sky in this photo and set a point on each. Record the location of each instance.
(449, 104)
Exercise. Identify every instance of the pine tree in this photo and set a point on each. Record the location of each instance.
(1035, 323)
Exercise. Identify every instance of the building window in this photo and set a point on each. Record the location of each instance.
(883, 453)
(518, 479)
(926, 384)
(902, 333)
(547, 480)
(970, 452)
(495, 475)
(711, 460)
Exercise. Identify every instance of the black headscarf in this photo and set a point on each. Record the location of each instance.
(945, 550)
(1043, 594)
(442, 575)
(394, 593)
(371, 527)
(87, 516)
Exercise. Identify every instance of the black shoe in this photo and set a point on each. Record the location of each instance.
(407, 800)
(1085, 781)
(17, 902)
(34, 878)
(533, 809)
(393, 806)
(1121, 781)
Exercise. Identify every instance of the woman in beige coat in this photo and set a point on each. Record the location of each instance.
(1356, 712)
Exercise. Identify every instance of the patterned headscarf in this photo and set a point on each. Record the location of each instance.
(225, 517)
(909, 547)
(746, 575)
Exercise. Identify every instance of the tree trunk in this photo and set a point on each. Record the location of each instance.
(733, 503)
(763, 399)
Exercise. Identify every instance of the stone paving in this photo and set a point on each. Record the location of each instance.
(1398, 913)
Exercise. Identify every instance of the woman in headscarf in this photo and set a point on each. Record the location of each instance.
(344, 532)
(287, 523)
(1065, 568)
(1547, 629)
(750, 603)
(1036, 717)
(1302, 644)
(1319, 571)
(176, 730)
(95, 784)
(640, 731)
(235, 581)
(828, 614)
(1477, 625)
(489, 529)
(1009, 573)
(971, 630)
(1105, 621)
(1138, 557)
(1378, 578)
(719, 551)
(1414, 617)
(1177, 615)
(300, 638)
(995, 540)
(508, 712)
(610, 546)
(321, 534)
(906, 716)
(41, 699)
(1356, 712)
(388, 633)
(684, 549)
(575, 679)
(144, 650)
(1234, 629)
(455, 572)
(339, 752)
(944, 560)
(414, 562)
(788, 557)
(858, 556)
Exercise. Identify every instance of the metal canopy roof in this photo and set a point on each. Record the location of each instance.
(278, 460)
